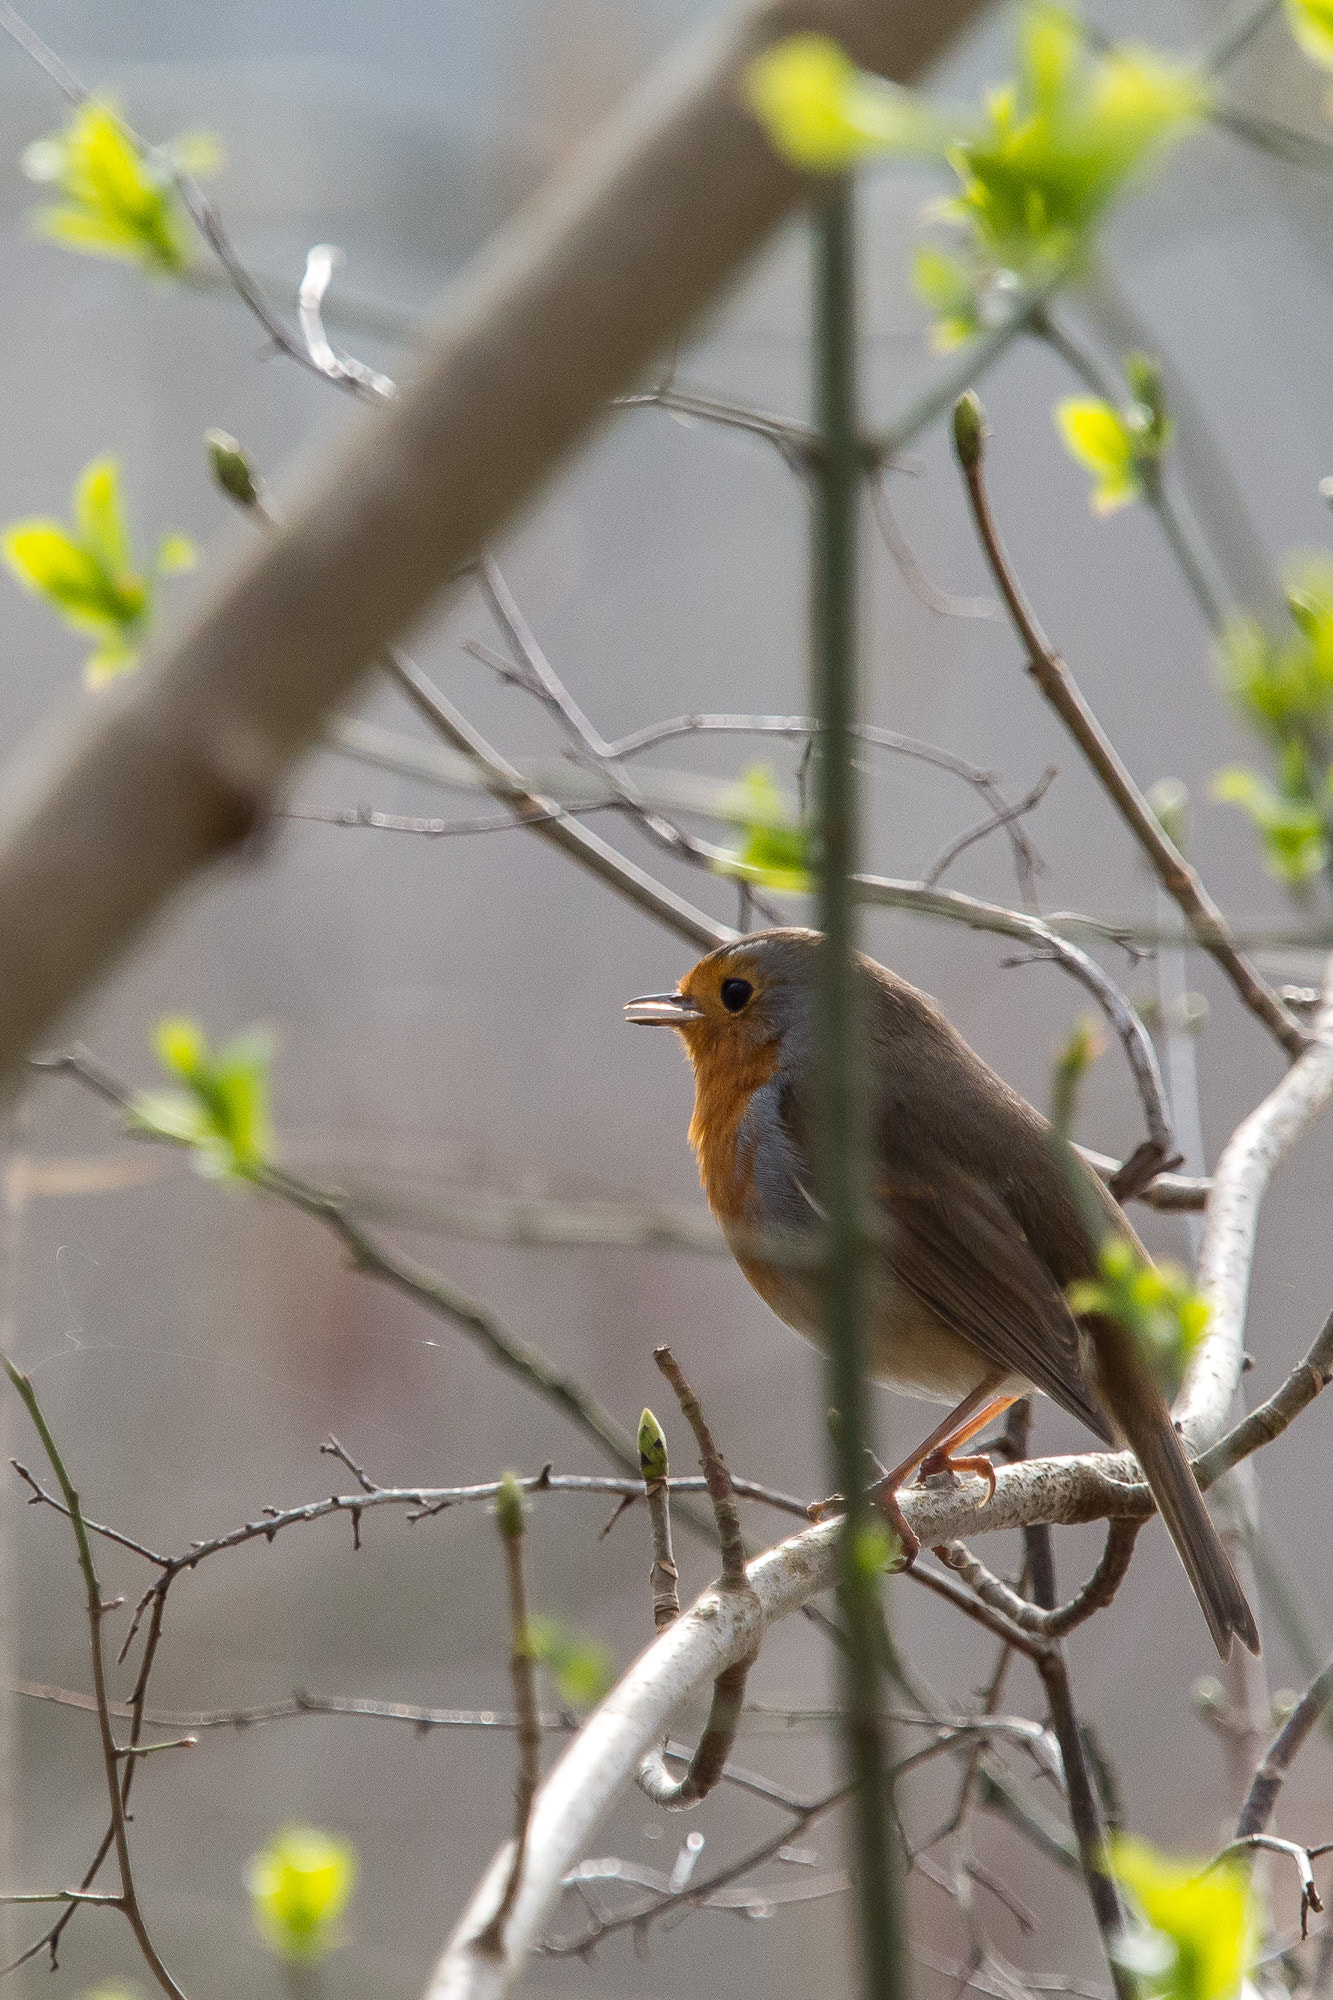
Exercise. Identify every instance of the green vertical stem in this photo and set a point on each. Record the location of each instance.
(840, 1096)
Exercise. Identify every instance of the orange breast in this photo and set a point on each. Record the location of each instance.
(726, 1075)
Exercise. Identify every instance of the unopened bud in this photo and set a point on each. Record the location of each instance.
(969, 430)
(652, 1448)
(509, 1508)
(231, 468)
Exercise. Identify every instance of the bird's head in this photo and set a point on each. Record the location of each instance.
(742, 1008)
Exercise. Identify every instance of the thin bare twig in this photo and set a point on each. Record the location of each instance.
(961, 842)
(1302, 1857)
(805, 729)
(943, 602)
(116, 1785)
(1270, 1419)
(699, 1894)
(320, 265)
(707, 1764)
(1201, 913)
(538, 677)
(1272, 1772)
(522, 1673)
(1085, 1811)
(1095, 1595)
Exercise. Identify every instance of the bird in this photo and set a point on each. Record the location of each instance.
(981, 1222)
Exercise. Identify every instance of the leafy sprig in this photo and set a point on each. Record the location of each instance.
(299, 1885)
(776, 848)
(1050, 153)
(86, 571)
(118, 200)
(1121, 448)
(222, 1114)
(1197, 1923)
(1157, 1303)
(1283, 687)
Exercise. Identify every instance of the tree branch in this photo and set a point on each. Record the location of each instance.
(1201, 913)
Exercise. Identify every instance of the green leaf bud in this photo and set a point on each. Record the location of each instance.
(969, 430)
(652, 1448)
(231, 468)
(509, 1508)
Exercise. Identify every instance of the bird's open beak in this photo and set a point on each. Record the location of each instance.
(662, 1010)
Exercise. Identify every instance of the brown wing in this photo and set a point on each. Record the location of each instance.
(957, 1247)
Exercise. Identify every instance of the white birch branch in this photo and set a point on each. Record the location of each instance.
(1226, 1253)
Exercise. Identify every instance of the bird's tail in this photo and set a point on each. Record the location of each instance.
(1141, 1413)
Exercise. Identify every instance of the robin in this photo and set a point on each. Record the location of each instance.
(981, 1226)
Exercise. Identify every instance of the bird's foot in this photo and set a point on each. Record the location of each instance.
(884, 1497)
(940, 1461)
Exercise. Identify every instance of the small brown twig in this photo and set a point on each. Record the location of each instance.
(1270, 1419)
(707, 1764)
(1303, 1857)
(1085, 1811)
(1094, 1596)
(1053, 677)
(117, 1785)
(523, 1677)
(1271, 1774)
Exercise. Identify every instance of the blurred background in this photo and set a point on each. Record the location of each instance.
(447, 1012)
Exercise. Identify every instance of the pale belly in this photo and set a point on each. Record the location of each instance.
(910, 1347)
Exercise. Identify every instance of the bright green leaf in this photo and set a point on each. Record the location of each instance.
(583, 1667)
(1311, 25)
(1292, 831)
(949, 288)
(1100, 439)
(776, 850)
(118, 202)
(824, 114)
(223, 1113)
(299, 1887)
(100, 517)
(86, 571)
(1201, 1919)
(175, 552)
(181, 1046)
(877, 1550)
(1053, 149)
(1155, 1302)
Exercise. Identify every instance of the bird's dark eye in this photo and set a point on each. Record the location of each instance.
(735, 993)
